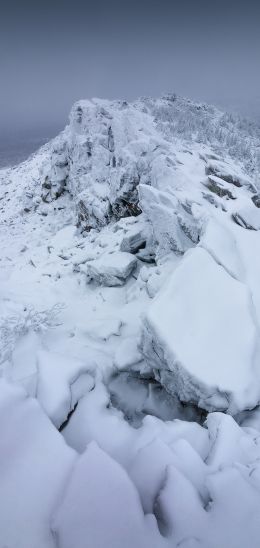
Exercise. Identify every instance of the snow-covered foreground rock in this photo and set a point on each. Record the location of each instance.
(129, 332)
(202, 338)
(201, 333)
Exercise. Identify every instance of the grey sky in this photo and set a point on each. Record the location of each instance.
(54, 52)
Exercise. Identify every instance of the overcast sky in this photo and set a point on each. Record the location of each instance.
(54, 52)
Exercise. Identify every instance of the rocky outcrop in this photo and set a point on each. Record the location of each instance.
(215, 185)
(55, 175)
(112, 149)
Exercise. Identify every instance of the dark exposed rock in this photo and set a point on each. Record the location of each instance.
(189, 228)
(256, 200)
(126, 203)
(216, 188)
(228, 178)
(85, 219)
(79, 114)
(52, 191)
(126, 208)
(46, 184)
(239, 220)
(212, 200)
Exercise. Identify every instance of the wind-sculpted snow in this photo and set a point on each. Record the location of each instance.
(35, 464)
(129, 315)
(162, 485)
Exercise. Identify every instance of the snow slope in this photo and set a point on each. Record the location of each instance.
(129, 316)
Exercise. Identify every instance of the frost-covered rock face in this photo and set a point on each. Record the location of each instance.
(103, 168)
(111, 152)
(129, 298)
(56, 176)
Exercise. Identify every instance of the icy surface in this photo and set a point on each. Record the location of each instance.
(129, 309)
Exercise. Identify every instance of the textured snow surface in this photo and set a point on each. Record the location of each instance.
(129, 332)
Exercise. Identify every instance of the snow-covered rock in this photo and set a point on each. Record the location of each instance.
(248, 217)
(112, 268)
(135, 238)
(200, 335)
(229, 174)
(62, 381)
(109, 148)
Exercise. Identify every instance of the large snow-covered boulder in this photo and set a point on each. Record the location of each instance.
(227, 173)
(201, 338)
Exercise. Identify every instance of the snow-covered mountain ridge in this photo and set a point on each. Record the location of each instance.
(130, 308)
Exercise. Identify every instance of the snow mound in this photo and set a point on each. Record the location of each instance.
(102, 508)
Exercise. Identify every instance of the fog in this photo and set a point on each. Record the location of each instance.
(55, 52)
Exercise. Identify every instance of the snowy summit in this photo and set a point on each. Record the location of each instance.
(130, 331)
